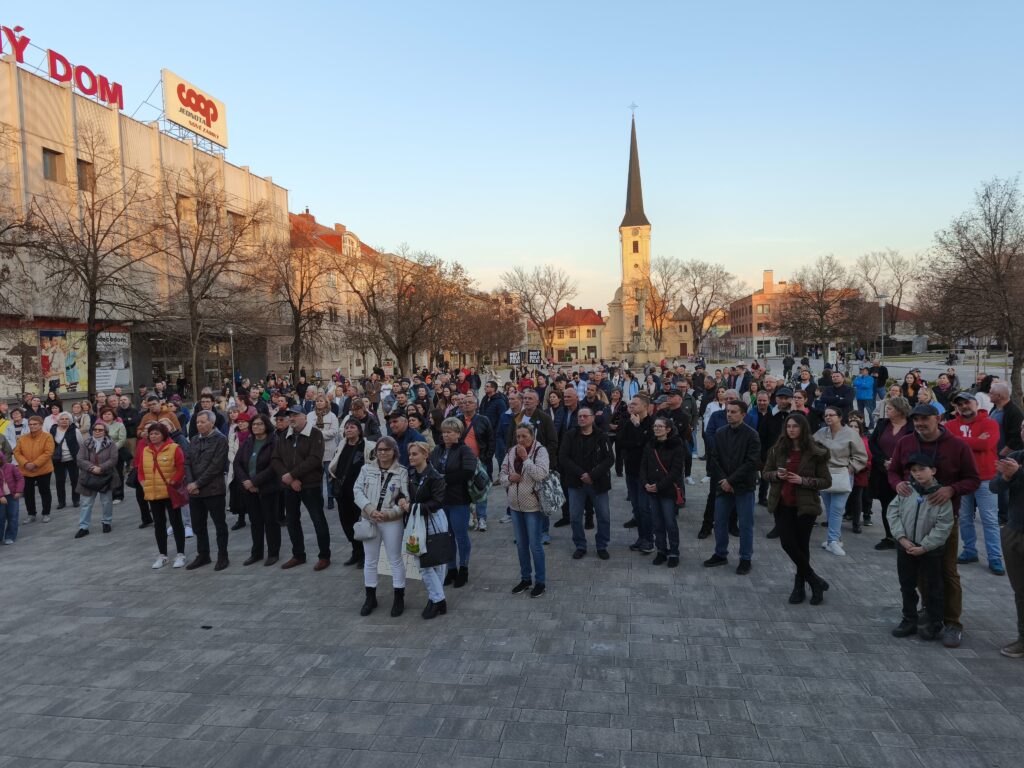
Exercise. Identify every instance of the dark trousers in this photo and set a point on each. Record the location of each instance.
(262, 511)
(795, 538)
(123, 458)
(202, 507)
(63, 471)
(348, 515)
(313, 499)
(1013, 558)
(687, 460)
(619, 457)
(926, 569)
(235, 504)
(43, 484)
(161, 510)
(885, 496)
(762, 491)
(855, 503)
(144, 506)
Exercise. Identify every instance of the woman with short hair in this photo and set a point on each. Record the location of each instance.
(160, 463)
(847, 457)
(523, 469)
(259, 489)
(457, 464)
(344, 469)
(381, 482)
(65, 458)
(97, 460)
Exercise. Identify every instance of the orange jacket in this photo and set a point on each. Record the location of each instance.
(148, 417)
(35, 448)
(154, 464)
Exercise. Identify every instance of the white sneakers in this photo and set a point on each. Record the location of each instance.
(160, 562)
(482, 524)
(505, 519)
(705, 479)
(179, 560)
(46, 518)
(689, 481)
(834, 547)
(188, 532)
(29, 519)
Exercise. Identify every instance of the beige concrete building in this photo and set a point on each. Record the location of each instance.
(55, 144)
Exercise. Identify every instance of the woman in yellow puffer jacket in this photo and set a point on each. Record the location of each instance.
(160, 463)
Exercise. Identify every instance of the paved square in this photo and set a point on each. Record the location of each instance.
(620, 663)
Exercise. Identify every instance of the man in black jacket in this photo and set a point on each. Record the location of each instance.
(1010, 417)
(565, 419)
(840, 395)
(207, 461)
(732, 465)
(633, 435)
(299, 462)
(681, 418)
(585, 457)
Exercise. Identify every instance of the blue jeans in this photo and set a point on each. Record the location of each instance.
(866, 408)
(9, 518)
(528, 530)
(85, 510)
(987, 504)
(835, 508)
(666, 524)
(577, 499)
(642, 511)
(693, 439)
(458, 521)
(743, 504)
(433, 578)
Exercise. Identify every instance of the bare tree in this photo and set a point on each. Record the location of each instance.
(888, 273)
(17, 234)
(947, 318)
(822, 303)
(664, 290)
(405, 297)
(211, 246)
(982, 254)
(705, 291)
(301, 272)
(93, 240)
(540, 293)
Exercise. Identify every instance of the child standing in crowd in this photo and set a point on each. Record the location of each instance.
(920, 529)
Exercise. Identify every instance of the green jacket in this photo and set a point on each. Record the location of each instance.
(814, 471)
(926, 525)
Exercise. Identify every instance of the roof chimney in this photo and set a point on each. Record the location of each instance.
(768, 281)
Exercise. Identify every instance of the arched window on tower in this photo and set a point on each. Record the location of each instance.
(636, 246)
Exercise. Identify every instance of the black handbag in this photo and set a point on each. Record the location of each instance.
(440, 547)
(132, 478)
(96, 483)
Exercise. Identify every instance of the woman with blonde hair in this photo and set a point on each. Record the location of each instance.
(426, 497)
(380, 484)
(65, 458)
(456, 462)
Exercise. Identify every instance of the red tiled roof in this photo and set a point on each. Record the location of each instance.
(569, 316)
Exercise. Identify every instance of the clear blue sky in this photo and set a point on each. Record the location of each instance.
(497, 134)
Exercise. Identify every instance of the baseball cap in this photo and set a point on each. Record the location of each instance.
(923, 409)
(965, 396)
(783, 392)
(296, 410)
(920, 458)
(661, 399)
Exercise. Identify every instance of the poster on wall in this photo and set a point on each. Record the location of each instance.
(113, 360)
(62, 360)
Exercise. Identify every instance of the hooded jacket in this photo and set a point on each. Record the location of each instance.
(924, 524)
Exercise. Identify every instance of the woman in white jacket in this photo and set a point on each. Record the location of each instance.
(524, 468)
(846, 457)
(330, 427)
(379, 486)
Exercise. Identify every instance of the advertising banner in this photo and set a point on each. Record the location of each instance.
(193, 109)
(62, 360)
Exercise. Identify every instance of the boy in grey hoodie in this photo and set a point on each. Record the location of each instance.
(921, 530)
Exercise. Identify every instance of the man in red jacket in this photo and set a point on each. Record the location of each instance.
(958, 476)
(981, 432)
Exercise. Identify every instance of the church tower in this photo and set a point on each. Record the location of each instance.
(635, 229)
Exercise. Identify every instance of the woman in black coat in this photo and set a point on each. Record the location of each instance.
(457, 463)
(344, 469)
(661, 471)
(260, 488)
(425, 496)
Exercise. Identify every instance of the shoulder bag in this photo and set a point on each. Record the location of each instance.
(365, 529)
(177, 492)
(680, 496)
(440, 546)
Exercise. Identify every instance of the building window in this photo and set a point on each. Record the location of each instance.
(86, 176)
(53, 166)
(572, 333)
(561, 334)
(592, 353)
(764, 347)
(332, 315)
(285, 353)
(184, 208)
(636, 246)
(350, 317)
(236, 221)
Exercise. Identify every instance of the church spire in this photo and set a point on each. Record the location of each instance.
(634, 192)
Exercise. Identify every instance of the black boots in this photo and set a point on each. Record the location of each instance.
(449, 577)
(462, 577)
(818, 588)
(370, 603)
(906, 628)
(798, 595)
(435, 609)
(398, 606)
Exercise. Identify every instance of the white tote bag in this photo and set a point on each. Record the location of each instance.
(841, 482)
(414, 539)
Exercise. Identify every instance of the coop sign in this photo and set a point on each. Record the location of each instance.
(14, 42)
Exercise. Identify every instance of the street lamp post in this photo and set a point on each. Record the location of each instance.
(231, 341)
(881, 306)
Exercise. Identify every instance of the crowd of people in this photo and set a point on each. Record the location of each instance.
(408, 463)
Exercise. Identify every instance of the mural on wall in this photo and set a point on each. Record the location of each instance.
(19, 362)
(62, 360)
